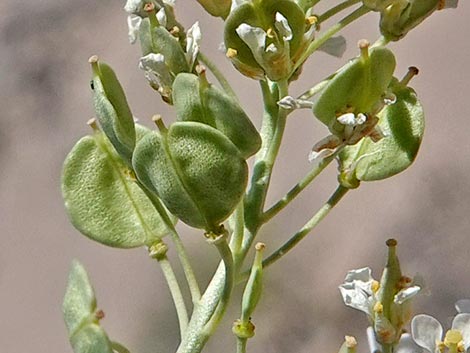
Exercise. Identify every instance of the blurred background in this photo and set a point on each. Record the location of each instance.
(45, 103)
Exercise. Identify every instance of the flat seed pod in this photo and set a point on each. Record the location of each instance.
(356, 87)
(196, 171)
(79, 300)
(169, 46)
(91, 339)
(196, 100)
(79, 310)
(400, 18)
(103, 201)
(403, 126)
(112, 110)
(217, 8)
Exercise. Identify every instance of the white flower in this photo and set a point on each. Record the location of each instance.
(282, 25)
(255, 39)
(405, 345)
(157, 73)
(161, 17)
(358, 290)
(427, 332)
(133, 22)
(291, 103)
(350, 119)
(463, 306)
(193, 43)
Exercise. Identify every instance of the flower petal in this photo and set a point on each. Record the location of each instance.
(356, 290)
(282, 26)
(407, 345)
(463, 306)
(406, 294)
(462, 323)
(255, 38)
(161, 17)
(426, 331)
(193, 43)
(133, 23)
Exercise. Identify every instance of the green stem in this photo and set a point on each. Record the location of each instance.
(381, 42)
(335, 10)
(180, 249)
(305, 230)
(218, 75)
(272, 131)
(297, 189)
(317, 43)
(237, 235)
(241, 345)
(227, 258)
(175, 291)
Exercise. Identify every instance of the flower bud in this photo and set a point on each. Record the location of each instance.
(195, 99)
(197, 172)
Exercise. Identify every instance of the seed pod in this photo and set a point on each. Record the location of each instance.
(277, 63)
(356, 88)
(402, 16)
(81, 316)
(195, 99)
(102, 199)
(254, 285)
(217, 8)
(112, 110)
(402, 123)
(196, 171)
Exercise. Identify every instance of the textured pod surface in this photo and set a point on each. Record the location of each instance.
(196, 171)
(205, 103)
(79, 310)
(102, 199)
(403, 126)
(358, 86)
(112, 110)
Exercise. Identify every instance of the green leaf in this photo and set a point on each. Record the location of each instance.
(103, 200)
(112, 110)
(403, 126)
(196, 171)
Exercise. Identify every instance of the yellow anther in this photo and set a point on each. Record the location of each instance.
(312, 20)
(350, 341)
(378, 308)
(375, 286)
(231, 53)
(270, 33)
(461, 347)
(441, 346)
(453, 337)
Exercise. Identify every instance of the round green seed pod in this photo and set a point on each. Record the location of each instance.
(356, 88)
(197, 172)
(401, 17)
(403, 126)
(197, 100)
(102, 198)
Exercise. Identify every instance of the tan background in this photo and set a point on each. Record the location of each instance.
(45, 102)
